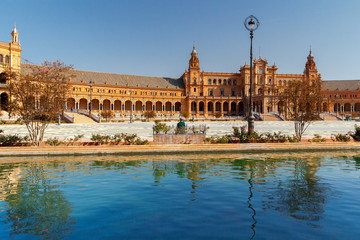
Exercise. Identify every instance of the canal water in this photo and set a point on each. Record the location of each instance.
(287, 196)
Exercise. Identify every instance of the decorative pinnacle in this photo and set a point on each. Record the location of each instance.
(194, 51)
(15, 30)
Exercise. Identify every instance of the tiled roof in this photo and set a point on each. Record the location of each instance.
(124, 80)
(341, 85)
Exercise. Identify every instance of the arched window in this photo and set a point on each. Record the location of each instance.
(280, 83)
(6, 59)
(209, 82)
(269, 81)
(3, 78)
(214, 81)
(229, 81)
(219, 81)
(284, 83)
(224, 82)
(1, 58)
(234, 82)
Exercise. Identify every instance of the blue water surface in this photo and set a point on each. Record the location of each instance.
(303, 196)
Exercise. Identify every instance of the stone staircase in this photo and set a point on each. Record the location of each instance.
(328, 117)
(80, 118)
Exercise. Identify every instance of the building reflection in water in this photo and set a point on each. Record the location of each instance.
(289, 186)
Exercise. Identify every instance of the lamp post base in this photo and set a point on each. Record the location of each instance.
(251, 123)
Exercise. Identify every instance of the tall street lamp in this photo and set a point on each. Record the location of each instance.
(90, 104)
(251, 23)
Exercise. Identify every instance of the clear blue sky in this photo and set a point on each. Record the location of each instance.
(155, 37)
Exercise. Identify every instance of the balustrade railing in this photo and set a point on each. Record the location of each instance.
(338, 116)
(83, 111)
(280, 116)
(95, 118)
(68, 118)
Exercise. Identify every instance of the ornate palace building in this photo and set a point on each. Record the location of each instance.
(196, 92)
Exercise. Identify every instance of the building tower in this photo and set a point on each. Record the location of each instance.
(193, 82)
(310, 72)
(15, 50)
(15, 36)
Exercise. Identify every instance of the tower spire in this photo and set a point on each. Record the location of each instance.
(194, 51)
(194, 61)
(259, 52)
(14, 30)
(15, 35)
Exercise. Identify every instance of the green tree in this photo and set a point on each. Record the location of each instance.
(302, 101)
(149, 114)
(186, 115)
(107, 114)
(37, 94)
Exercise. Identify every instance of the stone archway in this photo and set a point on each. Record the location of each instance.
(106, 104)
(95, 104)
(70, 103)
(225, 107)
(128, 105)
(158, 106)
(347, 107)
(3, 78)
(210, 107)
(168, 106)
(138, 106)
(357, 107)
(177, 106)
(201, 107)
(193, 107)
(4, 101)
(148, 105)
(233, 108)
(117, 105)
(217, 106)
(83, 104)
(241, 108)
(325, 107)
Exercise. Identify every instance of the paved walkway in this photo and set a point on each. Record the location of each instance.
(144, 129)
(178, 149)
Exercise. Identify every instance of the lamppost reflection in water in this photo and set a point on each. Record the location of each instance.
(250, 181)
